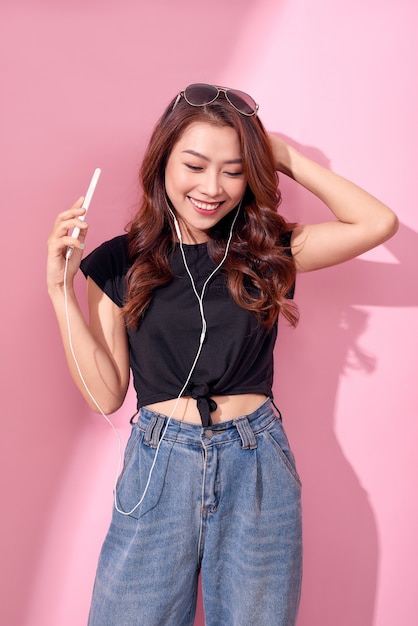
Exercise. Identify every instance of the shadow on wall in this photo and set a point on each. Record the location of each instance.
(340, 534)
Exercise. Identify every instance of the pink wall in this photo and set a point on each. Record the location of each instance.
(83, 82)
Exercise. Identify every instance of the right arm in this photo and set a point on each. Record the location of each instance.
(101, 345)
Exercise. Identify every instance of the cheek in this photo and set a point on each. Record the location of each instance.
(176, 180)
(171, 182)
(238, 188)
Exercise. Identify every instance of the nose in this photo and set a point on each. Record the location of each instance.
(211, 184)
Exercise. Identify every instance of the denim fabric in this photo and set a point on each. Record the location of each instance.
(223, 501)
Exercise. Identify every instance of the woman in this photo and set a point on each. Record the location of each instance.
(188, 301)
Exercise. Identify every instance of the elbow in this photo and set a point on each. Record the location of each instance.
(388, 226)
(106, 407)
(395, 224)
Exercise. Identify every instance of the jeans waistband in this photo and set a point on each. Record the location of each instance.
(244, 427)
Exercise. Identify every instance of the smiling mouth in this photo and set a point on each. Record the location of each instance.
(205, 206)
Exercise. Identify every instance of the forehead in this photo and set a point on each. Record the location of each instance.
(210, 140)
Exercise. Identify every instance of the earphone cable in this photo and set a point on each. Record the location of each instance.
(199, 350)
(70, 341)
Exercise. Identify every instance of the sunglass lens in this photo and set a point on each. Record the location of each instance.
(242, 101)
(199, 94)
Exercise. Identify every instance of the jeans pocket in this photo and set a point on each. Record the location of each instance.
(129, 449)
(129, 476)
(276, 434)
(140, 484)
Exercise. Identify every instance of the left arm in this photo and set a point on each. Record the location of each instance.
(362, 222)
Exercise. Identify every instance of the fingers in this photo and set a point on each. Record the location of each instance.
(69, 229)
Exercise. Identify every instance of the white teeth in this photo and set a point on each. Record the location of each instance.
(204, 206)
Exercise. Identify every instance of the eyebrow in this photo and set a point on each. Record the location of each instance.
(205, 158)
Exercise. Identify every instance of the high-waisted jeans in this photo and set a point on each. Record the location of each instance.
(223, 501)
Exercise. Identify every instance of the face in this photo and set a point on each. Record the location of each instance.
(204, 178)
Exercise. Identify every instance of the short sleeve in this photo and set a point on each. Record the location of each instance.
(107, 266)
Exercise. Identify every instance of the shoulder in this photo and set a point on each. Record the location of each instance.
(118, 246)
(111, 254)
(107, 266)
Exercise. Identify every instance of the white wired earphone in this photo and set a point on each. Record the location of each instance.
(199, 298)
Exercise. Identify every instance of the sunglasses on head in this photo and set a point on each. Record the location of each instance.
(199, 94)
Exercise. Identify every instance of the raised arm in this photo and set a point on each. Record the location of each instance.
(362, 222)
(100, 345)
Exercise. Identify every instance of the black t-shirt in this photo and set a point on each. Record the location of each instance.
(237, 353)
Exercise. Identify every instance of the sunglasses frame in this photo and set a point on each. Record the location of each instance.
(219, 90)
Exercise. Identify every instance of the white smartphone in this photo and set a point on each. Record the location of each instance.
(85, 206)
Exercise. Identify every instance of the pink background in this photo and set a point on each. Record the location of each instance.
(82, 84)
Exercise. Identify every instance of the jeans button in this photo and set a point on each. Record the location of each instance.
(209, 433)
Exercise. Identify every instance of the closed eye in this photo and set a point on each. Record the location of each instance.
(234, 173)
(194, 168)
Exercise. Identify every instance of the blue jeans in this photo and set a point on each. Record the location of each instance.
(223, 501)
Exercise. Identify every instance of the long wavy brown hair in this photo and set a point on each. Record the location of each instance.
(259, 267)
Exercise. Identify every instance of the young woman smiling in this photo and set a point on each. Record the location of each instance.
(189, 301)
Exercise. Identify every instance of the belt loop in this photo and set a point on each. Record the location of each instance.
(277, 409)
(246, 433)
(153, 431)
